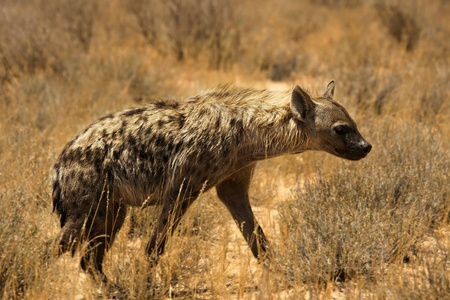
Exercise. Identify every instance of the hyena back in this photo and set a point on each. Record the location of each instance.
(167, 152)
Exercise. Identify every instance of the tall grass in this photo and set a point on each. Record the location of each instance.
(363, 217)
(191, 29)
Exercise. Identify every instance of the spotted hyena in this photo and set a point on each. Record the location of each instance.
(167, 152)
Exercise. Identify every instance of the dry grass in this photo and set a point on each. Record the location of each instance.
(189, 29)
(376, 229)
(363, 217)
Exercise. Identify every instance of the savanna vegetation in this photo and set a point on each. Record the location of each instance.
(372, 229)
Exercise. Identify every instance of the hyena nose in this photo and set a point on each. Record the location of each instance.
(366, 147)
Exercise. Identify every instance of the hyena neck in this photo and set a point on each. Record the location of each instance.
(258, 124)
(273, 132)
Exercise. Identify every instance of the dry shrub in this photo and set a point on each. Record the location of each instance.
(27, 41)
(20, 270)
(77, 19)
(149, 83)
(25, 229)
(275, 46)
(189, 29)
(402, 25)
(427, 277)
(38, 35)
(283, 68)
(367, 215)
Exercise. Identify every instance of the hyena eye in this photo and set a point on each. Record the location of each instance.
(341, 129)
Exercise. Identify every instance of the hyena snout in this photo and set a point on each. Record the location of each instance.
(356, 148)
(365, 146)
(349, 144)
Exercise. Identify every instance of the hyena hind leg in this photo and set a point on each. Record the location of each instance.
(168, 221)
(69, 236)
(101, 232)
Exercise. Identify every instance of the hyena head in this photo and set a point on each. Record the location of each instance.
(328, 125)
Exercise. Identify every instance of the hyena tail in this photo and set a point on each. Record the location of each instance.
(57, 203)
(67, 238)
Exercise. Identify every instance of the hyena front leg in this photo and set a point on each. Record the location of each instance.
(168, 220)
(233, 192)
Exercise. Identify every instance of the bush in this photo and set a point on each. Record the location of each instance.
(77, 18)
(189, 29)
(27, 42)
(403, 27)
(370, 214)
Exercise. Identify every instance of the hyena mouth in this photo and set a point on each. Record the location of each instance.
(350, 154)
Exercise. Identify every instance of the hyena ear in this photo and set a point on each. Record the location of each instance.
(301, 103)
(329, 93)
